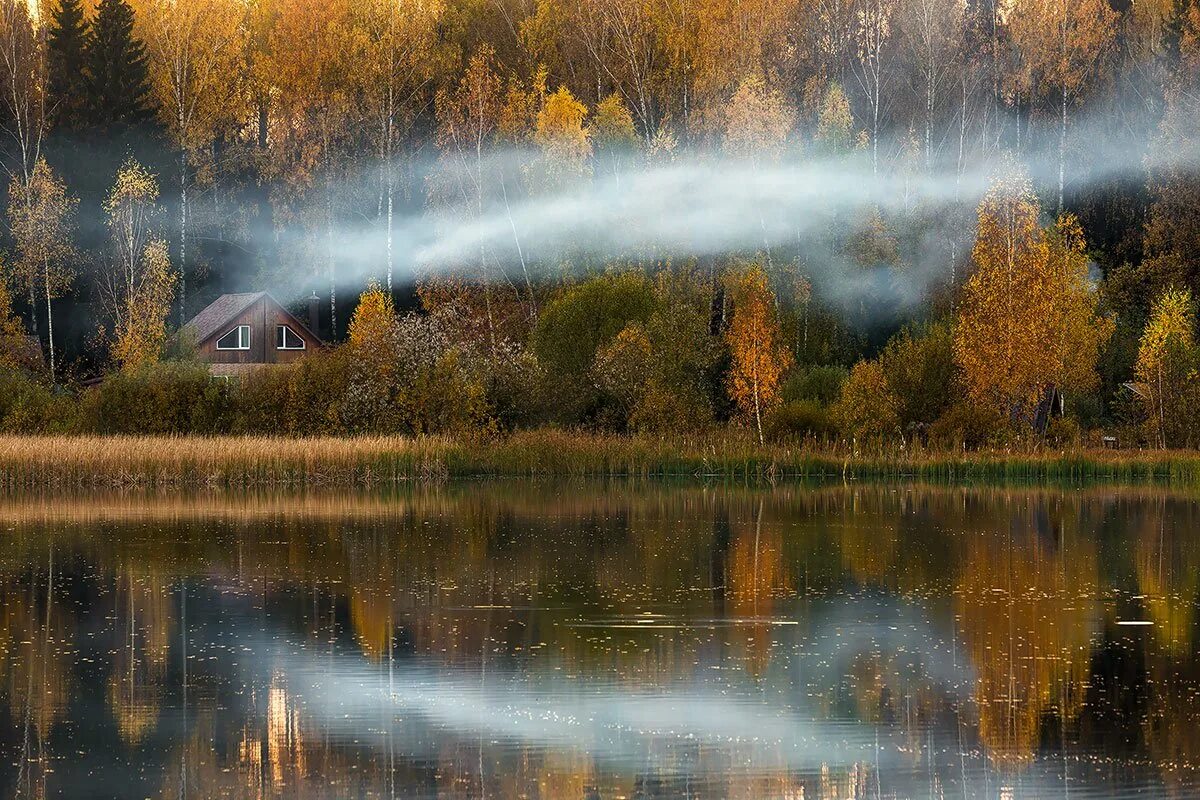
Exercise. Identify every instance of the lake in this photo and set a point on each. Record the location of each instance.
(602, 640)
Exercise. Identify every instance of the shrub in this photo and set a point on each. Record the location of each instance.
(921, 375)
(573, 326)
(821, 384)
(969, 425)
(866, 408)
(28, 405)
(164, 397)
(799, 419)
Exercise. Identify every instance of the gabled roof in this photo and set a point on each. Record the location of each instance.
(220, 312)
(217, 313)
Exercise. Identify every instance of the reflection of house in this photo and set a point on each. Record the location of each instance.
(237, 332)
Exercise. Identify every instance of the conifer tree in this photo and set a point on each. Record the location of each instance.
(118, 85)
(66, 56)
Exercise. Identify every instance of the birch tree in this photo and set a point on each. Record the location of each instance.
(311, 52)
(194, 51)
(24, 76)
(135, 286)
(468, 119)
(932, 31)
(1062, 42)
(759, 357)
(398, 63)
(40, 217)
(872, 35)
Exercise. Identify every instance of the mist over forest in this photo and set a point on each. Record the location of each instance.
(838, 163)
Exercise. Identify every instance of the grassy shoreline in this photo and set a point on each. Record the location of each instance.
(138, 461)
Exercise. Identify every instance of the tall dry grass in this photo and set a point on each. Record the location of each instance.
(228, 461)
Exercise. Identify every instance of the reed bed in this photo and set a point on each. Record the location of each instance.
(142, 461)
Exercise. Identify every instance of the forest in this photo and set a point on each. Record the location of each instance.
(955, 223)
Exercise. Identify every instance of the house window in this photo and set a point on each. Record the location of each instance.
(236, 339)
(287, 339)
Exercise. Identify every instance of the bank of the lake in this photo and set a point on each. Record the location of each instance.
(118, 461)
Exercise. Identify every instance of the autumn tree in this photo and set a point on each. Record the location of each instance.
(12, 332)
(867, 408)
(1162, 368)
(399, 59)
(468, 118)
(23, 71)
(612, 133)
(136, 286)
(622, 39)
(306, 72)
(758, 121)
(564, 141)
(932, 30)
(1061, 44)
(194, 51)
(872, 38)
(40, 217)
(835, 123)
(758, 355)
(1027, 322)
(23, 101)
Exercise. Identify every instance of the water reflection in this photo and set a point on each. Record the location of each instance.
(597, 640)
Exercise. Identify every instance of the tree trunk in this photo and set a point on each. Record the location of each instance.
(33, 317)
(330, 264)
(49, 320)
(1062, 148)
(757, 407)
(183, 226)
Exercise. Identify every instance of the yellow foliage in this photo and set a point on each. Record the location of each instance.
(758, 120)
(1027, 321)
(759, 357)
(1171, 326)
(1172, 321)
(867, 408)
(565, 142)
(612, 123)
(142, 330)
(373, 319)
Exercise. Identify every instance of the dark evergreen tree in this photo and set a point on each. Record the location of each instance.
(118, 87)
(66, 57)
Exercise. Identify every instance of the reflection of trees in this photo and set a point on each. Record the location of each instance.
(500, 574)
(754, 577)
(1026, 605)
(1167, 565)
(36, 638)
(144, 623)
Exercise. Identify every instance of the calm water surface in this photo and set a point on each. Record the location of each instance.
(519, 640)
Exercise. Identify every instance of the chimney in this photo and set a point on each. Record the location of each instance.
(314, 314)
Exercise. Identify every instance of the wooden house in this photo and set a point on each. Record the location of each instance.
(239, 332)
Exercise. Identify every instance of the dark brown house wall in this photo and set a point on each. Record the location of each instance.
(262, 317)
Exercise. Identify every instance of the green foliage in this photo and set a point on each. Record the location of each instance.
(158, 397)
(28, 405)
(921, 376)
(118, 84)
(866, 408)
(818, 383)
(582, 317)
(661, 376)
(66, 55)
(799, 419)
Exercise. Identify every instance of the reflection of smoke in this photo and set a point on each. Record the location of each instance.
(617, 724)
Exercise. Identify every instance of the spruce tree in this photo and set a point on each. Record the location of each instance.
(68, 86)
(118, 87)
